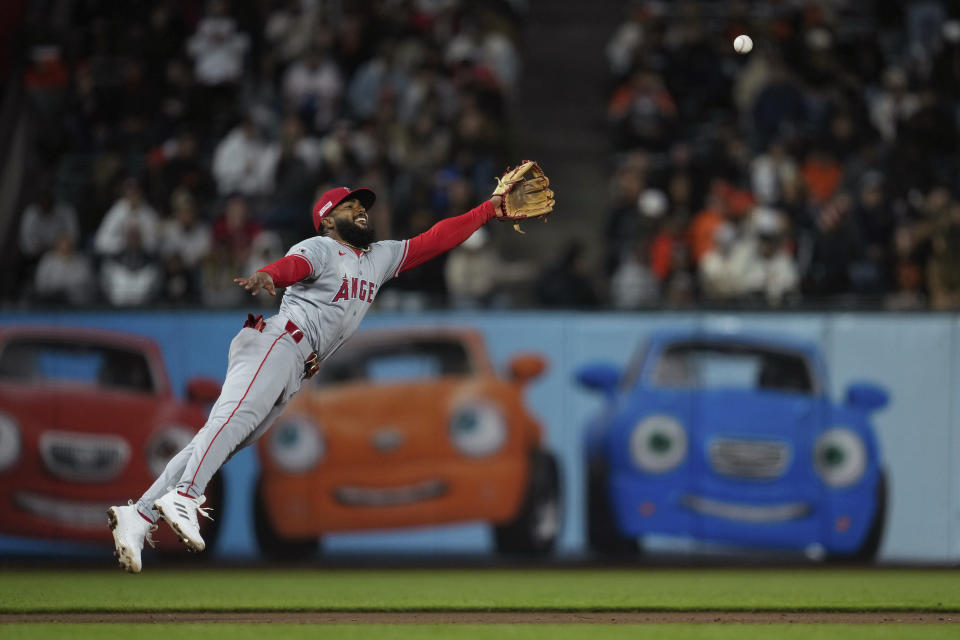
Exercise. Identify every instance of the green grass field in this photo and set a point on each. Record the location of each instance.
(482, 632)
(485, 589)
(614, 590)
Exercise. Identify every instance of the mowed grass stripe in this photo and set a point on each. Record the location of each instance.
(478, 590)
(480, 632)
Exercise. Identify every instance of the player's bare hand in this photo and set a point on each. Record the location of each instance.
(259, 280)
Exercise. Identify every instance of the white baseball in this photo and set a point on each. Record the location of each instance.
(742, 44)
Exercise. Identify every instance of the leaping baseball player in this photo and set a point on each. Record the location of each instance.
(330, 281)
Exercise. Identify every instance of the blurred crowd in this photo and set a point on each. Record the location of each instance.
(819, 169)
(180, 144)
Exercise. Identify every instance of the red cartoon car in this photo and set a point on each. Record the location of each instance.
(87, 420)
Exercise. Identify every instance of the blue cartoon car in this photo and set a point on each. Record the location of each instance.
(732, 438)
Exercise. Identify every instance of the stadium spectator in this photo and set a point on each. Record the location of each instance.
(218, 48)
(716, 277)
(243, 161)
(131, 277)
(234, 230)
(477, 276)
(184, 245)
(177, 165)
(643, 112)
(837, 247)
(679, 286)
(312, 87)
(294, 177)
(908, 294)
(183, 234)
(669, 232)
(471, 272)
(129, 211)
(45, 222)
(943, 268)
(876, 221)
(181, 105)
(769, 171)
(375, 80)
(234, 233)
(567, 284)
(822, 175)
(893, 105)
(289, 28)
(624, 223)
(64, 276)
(703, 226)
(760, 263)
(633, 285)
(427, 91)
(780, 105)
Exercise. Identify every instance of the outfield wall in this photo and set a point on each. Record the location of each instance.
(914, 356)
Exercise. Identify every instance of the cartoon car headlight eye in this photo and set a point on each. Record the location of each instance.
(478, 430)
(840, 457)
(296, 444)
(10, 444)
(164, 445)
(658, 444)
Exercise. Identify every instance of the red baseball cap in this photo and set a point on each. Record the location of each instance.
(335, 196)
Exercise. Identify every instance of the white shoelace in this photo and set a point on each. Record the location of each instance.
(204, 512)
(149, 538)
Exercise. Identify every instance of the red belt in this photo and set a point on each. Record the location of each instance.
(294, 332)
(258, 323)
(311, 364)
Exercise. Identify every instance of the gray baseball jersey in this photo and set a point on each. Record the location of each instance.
(266, 366)
(329, 304)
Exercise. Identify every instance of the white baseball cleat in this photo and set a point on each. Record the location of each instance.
(129, 529)
(180, 512)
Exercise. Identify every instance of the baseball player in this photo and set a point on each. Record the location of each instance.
(330, 282)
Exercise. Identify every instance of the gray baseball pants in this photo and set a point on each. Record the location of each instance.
(264, 371)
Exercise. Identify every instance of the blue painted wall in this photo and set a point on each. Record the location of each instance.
(914, 356)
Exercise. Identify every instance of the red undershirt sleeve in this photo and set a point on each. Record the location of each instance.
(288, 270)
(445, 235)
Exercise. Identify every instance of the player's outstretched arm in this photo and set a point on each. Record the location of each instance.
(284, 272)
(447, 234)
(259, 280)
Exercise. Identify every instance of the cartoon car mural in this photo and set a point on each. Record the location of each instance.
(87, 418)
(405, 428)
(732, 438)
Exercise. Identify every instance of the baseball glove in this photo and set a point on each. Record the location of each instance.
(525, 194)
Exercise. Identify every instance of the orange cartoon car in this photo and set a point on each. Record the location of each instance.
(87, 419)
(405, 428)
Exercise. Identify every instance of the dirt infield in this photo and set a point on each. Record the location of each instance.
(501, 617)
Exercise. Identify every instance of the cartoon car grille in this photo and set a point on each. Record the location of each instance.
(755, 459)
(83, 457)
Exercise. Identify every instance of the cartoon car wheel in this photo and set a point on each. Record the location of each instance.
(272, 544)
(537, 525)
(603, 535)
(871, 543)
